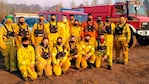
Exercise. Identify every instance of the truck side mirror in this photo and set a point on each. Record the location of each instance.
(130, 18)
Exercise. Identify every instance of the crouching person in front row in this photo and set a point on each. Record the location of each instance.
(60, 59)
(74, 52)
(101, 51)
(43, 59)
(26, 60)
(87, 52)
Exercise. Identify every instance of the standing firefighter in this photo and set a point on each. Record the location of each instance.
(60, 59)
(72, 20)
(54, 31)
(23, 31)
(75, 30)
(122, 38)
(101, 51)
(100, 24)
(39, 31)
(108, 31)
(43, 58)
(64, 29)
(8, 45)
(26, 60)
(87, 52)
(90, 27)
(74, 52)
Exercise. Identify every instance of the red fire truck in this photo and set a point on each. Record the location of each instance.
(136, 15)
(79, 15)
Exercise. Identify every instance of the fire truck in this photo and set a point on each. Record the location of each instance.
(79, 15)
(136, 17)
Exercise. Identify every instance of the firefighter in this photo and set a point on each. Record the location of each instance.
(71, 20)
(26, 60)
(101, 51)
(8, 34)
(64, 29)
(54, 30)
(100, 24)
(74, 52)
(75, 30)
(87, 52)
(39, 30)
(108, 31)
(90, 27)
(122, 38)
(43, 58)
(60, 59)
(23, 31)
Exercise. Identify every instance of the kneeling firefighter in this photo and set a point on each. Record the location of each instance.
(60, 59)
(101, 51)
(74, 52)
(43, 58)
(87, 52)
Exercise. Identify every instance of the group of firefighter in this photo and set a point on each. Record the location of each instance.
(54, 47)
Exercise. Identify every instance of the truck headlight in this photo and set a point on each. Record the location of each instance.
(143, 32)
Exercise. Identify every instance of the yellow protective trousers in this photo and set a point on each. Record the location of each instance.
(10, 57)
(84, 62)
(43, 67)
(109, 41)
(122, 46)
(77, 60)
(57, 69)
(26, 71)
(99, 56)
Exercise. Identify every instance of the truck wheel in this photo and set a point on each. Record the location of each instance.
(142, 43)
(133, 41)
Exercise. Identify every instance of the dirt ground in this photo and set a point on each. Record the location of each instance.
(136, 72)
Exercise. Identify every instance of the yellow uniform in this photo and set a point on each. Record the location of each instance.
(87, 48)
(23, 31)
(38, 32)
(102, 49)
(109, 35)
(76, 31)
(26, 59)
(54, 33)
(64, 31)
(100, 26)
(74, 53)
(43, 61)
(8, 45)
(122, 38)
(60, 63)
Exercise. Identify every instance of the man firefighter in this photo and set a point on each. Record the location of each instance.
(8, 34)
(90, 27)
(43, 58)
(74, 52)
(100, 24)
(39, 30)
(60, 59)
(23, 31)
(26, 60)
(75, 30)
(108, 31)
(71, 20)
(122, 38)
(87, 52)
(64, 29)
(54, 31)
(101, 51)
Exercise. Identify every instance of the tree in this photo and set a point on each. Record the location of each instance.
(95, 2)
(108, 1)
(73, 4)
(146, 3)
